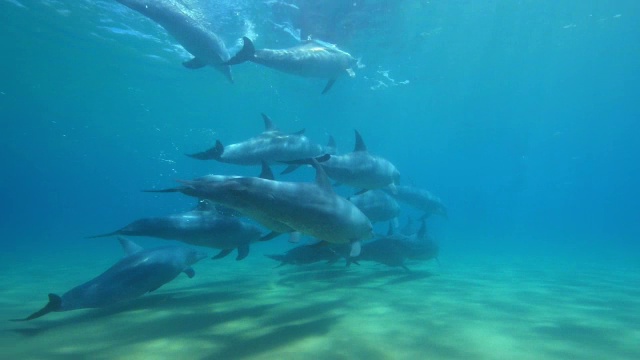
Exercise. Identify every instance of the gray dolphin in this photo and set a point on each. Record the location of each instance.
(313, 209)
(306, 254)
(139, 272)
(417, 246)
(202, 226)
(270, 146)
(377, 205)
(419, 199)
(312, 58)
(205, 46)
(359, 168)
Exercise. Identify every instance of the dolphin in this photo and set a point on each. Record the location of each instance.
(202, 226)
(419, 199)
(205, 46)
(313, 209)
(139, 272)
(306, 254)
(359, 168)
(418, 246)
(377, 205)
(270, 146)
(312, 58)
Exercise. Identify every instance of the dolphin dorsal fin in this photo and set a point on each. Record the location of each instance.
(266, 172)
(360, 146)
(129, 246)
(268, 124)
(322, 180)
(331, 145)
(390, 229)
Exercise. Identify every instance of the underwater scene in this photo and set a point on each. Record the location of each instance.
(320, 179)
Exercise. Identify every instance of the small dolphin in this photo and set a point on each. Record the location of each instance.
(202, 226)
(359, 169)
(383, 251)
(270, 146)
(205, 46)
(139, 272)
(419, 199)
(313, 209)
(306, 254)
(312, 58)
(377, 205)
(418, 246)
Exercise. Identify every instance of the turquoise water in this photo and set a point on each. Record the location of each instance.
(521, 115)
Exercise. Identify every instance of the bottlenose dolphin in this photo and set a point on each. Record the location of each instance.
(377, 205)
(418, 246)
(359, 168)
(205, 46)
(313, 209)
(270, 146)
(312, 58)
(419, 199)
(139, 272)
(306, 254)
(202, 226)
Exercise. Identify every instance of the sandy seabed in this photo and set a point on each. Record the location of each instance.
(463, 308)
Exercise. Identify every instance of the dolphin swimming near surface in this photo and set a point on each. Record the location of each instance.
(313, 209)
(205, 46)
(359, 168)
(312, 58)
(270, 146)
(419, 199)
(139, 272)
(202, 226)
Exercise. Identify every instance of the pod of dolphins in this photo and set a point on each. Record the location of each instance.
(232, 212)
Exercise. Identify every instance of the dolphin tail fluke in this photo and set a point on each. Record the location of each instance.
(243, 251)
(247, 53)
(214, 153)
(328, 86)
(54, 304)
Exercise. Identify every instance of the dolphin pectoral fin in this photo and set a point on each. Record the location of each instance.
(393, 189)
(270, 236)
(247, 53)
(243, 251)
(289, 169)
(226, 70)
(214, 153)
(189, 271)
(194, 63)
(356, 247)
(222, 253)
(117, 232)
(360, 192)
(328, 86)
(54, 304)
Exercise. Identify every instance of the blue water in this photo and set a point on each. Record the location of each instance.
(521, 115)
